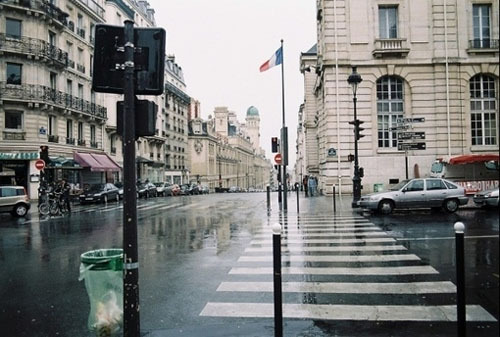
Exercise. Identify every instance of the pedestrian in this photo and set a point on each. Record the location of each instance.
(65, 188)
(311, 183)
(304, 182)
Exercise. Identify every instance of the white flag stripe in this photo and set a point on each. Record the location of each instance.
(328, 249)
(404, 270)
(446, 313)
(334, 258)
(300, 235)
(344, 287)
(369, 240)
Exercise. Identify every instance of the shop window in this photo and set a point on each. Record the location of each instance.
(14, 119)
(14, 73)
(13, 28)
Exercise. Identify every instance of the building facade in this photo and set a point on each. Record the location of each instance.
(432, 62)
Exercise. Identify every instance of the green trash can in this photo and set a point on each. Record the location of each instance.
(102, 271)
(378, 187)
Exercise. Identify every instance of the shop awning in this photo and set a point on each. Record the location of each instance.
(97, 162)
(142, 160)
(473, 158)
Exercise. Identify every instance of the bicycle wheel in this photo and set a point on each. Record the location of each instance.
(54, 207)
(43, 208)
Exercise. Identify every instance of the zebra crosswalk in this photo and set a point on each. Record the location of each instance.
(347, 256)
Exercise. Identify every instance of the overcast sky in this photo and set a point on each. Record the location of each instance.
(220, 45)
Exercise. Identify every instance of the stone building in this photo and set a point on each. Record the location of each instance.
(431, 60)
(46, 99)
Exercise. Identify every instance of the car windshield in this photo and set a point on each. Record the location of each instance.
(119, 184)
(399, 186)
(98, 187)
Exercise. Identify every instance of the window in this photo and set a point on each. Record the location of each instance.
(80, 131)
(52, 125)
(69, 87)
(481, 25)
(389, 108)
(92, 133)
(435, 184)
(69, 128)
(14, 73)
(52, 38)
(483, 110)
(388, 22)
(13, 28)
(14, 120)
(415, 185)
(80, 90)
(53, 81)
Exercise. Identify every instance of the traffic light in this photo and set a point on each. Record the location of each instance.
(357, 128)
(145, 118)
(274, 144)
(361, 172)
(44, 154)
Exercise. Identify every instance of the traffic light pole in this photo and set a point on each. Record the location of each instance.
(131, 321)
(356, 180)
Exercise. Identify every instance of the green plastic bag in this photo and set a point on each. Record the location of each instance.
(102, 270)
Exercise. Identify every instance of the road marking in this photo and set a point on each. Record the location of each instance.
(449, 238)
(146, 208)
(111, 209)
(344, 287)
(284, 240)
(333, 258)
(169, 206)
(308, 235)
(329, 249)
(447, 313)
(403, 270)
(323, 230)
(346, 225)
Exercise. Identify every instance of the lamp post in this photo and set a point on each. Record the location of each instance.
(353, 80)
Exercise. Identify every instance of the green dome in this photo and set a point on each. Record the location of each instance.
(252, 111)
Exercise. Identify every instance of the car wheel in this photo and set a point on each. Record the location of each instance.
(450, 205)
(105, 199)
(386, 206)
(20, 210)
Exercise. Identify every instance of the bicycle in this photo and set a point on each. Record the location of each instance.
(57, 204)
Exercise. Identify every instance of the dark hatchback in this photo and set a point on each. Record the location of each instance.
(100, 193)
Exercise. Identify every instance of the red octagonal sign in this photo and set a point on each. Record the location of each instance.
(277, 158)
(40, 164)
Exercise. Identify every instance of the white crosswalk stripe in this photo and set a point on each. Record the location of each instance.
(297, 241)
(333, 258)
(299, 235)
(406, 270)
(327, 249)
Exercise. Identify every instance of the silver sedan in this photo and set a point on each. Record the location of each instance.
(431, 193)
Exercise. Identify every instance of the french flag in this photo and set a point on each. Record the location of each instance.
(276, 59)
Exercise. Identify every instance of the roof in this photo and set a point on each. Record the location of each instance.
(252, 111)
(312, 50)
(473, 158)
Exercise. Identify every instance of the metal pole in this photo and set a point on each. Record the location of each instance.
(268, 193)
(131, 321)
(278, 300)
(334, 201)
(297, 192)
(356, 181)
(279, 194)
(406, 164)
(459, 251)
(284, 135)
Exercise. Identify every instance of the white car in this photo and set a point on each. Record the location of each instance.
(487, 198)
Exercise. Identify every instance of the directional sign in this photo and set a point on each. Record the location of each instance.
(399, 127)
(411, 135)
(411, 146)
(410, 120)
(39, 164)
(277, 158)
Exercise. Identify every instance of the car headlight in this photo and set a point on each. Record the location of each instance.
(97, 194)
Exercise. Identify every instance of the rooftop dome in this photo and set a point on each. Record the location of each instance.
(252, 111)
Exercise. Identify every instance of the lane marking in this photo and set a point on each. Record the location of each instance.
(308, 235)
(446, 313)
(169, 206)
(284, 240)
(328, 249)
(324, 230)
(403, 270)
(333, 258)
(450, 238)
(344, 287)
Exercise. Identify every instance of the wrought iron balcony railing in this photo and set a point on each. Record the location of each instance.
(483, 44)
(81, 142)
(41, 94)
(71, 64)
(81, 32)
(31, 46)
(70, 141)
(80, 68)
(14, 135)
(53, 138)
(95, 145)
(44, 6)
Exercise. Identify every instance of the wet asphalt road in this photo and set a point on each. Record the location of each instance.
(189, 246)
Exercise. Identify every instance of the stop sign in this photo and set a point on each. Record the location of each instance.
(277, 158)
(40, 164)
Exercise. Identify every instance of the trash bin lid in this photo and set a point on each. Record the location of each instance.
(103, 259)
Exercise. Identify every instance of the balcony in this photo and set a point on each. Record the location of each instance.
(53, 138)
(50, 10)
(390, 48)
(94, 145)
(81, 32)
(478, 46)
(35, 48)
(80, 68)
(39, 94)
(14, 135)
(81, 142)
(70, 141)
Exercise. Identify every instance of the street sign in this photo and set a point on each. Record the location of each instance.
(400, 127)
(277, 158)
(411, 146)
(39, 164)
(410, 120)
(411, 135)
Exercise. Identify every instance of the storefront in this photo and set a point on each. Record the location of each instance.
(98, 168)
(19, 169)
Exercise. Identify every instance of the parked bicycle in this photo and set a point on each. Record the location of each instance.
(57, 204)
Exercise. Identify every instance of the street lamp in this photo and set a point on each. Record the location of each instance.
(353, 80)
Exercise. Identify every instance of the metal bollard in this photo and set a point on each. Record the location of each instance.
(278, 299)
(334, 202)
(297, 191)
(268, 192)
(279, 194)
(459, 250)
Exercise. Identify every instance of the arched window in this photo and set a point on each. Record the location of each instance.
(483, 110)
(390, 107)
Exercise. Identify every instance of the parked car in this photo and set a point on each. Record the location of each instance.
(234, 189)
(205, 189)
(185, 189)
(100, 193)
(195, 189)
(171, 189)
(160, 188)
(146, 190)
(431, 193)
(14, 200)
(119, 185)
(487, 198)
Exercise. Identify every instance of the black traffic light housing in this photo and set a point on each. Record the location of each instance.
(44, 154)
(274, 145)
(361, 172)
(109, 59)
(357, 128)
(145, 118)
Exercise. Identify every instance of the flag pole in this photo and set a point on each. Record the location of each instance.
(284, 132)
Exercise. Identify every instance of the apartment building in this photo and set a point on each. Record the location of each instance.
(433, 62)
